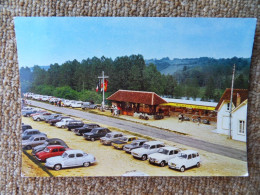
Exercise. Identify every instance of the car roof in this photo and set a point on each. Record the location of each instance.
(91, 124)
(74, 151)
(129, 136)
(140, 140)
(115, 132)
(55, 146)
(28, 130)
(170, 148)
(189, 151)
(39, 135)
(154, 142)
(100, 128)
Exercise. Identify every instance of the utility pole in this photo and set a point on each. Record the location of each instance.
(103, 77)
(231, 101)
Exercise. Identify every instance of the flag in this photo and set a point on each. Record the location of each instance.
(105, 87)
(97, 88)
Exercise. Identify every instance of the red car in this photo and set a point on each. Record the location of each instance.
(50, 151)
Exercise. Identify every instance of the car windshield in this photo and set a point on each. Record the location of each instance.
(46, 150)
(163, 151)
(94, 130)
(64, 155)
(146, 146)
(181, 155)
(124, 139)
(108, 135)
(31, 138)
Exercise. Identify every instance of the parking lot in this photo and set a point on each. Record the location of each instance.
(112, 162)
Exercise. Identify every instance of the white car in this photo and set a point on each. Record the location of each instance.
(164, 155)
(40, 117)
(148, 148)
(76, 104)
(63, 122)
(70, 158)
(186, 159)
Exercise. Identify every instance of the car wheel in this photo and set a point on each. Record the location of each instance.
(86, 164)
(162, 164)
(198, 165)
(57, 167)
(144, 157)
(28, 147)
(38, 119)
(92, 139)
(182, 169)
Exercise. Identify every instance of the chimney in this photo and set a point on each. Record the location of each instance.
(238, 99)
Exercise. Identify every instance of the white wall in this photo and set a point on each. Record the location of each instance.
(223, 120)
(240, 114)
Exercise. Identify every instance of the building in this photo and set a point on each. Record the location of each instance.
(238, 114)
(129, 102)
(189, 108)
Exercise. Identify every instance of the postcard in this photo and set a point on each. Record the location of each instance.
(119, 96)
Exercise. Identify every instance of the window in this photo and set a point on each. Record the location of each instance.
(42, 138)
(194, 155)
(55, 150)
(71, 155)
(176, 151)
(241, 128)
(228, 106)
(189, 157)
(36, 139)
(171, 152)
(152, 147)
(79, 155)
(62, 149)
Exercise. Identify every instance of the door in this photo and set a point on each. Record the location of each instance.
(189, 161)
(79, 159)
(70, 161)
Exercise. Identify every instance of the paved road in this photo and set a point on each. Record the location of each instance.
(149, 131)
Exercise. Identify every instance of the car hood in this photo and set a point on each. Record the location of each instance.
(139, 150)
(42, 153)
(130, 146)
(38, 148)
(119, 142)
(56, 159)
(157, 156)
(177, 160)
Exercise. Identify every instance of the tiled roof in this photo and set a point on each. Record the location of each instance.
(243, 93)
(142, 97)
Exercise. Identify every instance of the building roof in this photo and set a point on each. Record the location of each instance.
(201, 103)
(226, 96)
(142, 97)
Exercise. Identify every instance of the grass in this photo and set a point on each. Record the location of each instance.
(38, 163)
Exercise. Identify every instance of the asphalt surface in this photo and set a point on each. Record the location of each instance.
(149, 131)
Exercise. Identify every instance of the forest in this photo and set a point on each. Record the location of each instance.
(78, 80)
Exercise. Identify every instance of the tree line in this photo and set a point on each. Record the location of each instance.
(78, 80)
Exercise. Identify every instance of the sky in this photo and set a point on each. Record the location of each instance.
(48, 40)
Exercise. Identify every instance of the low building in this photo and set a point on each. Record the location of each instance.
(238, 114)
(189, 108)
(129, 102)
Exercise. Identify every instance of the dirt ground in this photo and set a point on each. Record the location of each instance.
(112, 162)
(201, 131)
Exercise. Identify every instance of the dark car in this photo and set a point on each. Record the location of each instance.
(54, 121)
(24, 127)
(135, 144)
(27, 113)
(50, 117)
(86, 128)
(96, 133)
(30, 132)
(74, 124)
(49, 142)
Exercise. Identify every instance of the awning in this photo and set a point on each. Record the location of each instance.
(188, 106)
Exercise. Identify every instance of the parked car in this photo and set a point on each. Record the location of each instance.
(148, 148)
(86, 128)
(163, 156)
(27, 113)
(50, 151)
(70, 158)
(76, 104)
(110, 137)
(30, 132)
(96, 133)
(54, 121)
(63, 123)
(49, 142)
(74, 124)
(120, 142)
(88, 105)
(50, 117)
(33, 141)
(37, 113)
(40, 117)
(135, 144)
(186, 159)
(25, 127)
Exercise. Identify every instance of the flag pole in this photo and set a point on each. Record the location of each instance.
(231, 101)
(103, 77)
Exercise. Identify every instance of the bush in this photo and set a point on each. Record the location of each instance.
(90, 96)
